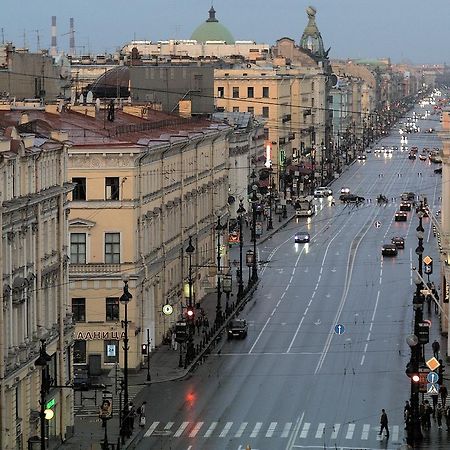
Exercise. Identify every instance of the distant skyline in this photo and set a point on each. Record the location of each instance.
(403, 30)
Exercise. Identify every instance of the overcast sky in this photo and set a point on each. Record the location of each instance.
(405, 30)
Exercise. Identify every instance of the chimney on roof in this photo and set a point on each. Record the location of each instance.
(53, 49)
(72, 37)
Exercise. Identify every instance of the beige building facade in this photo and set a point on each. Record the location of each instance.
(34, 274)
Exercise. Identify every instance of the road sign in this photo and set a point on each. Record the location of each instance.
(433, 389)
(432, 377)
(423, 332)
(377, 224)
(339, 329)
(427, 260)
(432, 363)
(167, 309)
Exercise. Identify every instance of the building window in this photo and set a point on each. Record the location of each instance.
(266, 134)
(236, 92)
(112, 248)
(312, 102)
(265, 111)
(79, 191)
(220, 92)
(265, 92)
(78, 248)
(251, 109)
(111, 352)
(79, 309)
(112, 188)
(250, 92)
(235, 108)
(112, 309)
(79, 352)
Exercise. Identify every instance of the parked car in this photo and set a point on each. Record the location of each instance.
(237, 328)
(389, 250)
(399, 242)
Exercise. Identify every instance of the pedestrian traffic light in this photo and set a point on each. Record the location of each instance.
(144, 349)
(190, 313)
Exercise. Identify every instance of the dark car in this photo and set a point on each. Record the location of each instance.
(301, 237)
(237, 328)
(351, 198)
(361, 157)
(401, 216)
(408, 196)
(399, 242)
(411, 156)
(405, 206)
(389, 250)
(438, 170)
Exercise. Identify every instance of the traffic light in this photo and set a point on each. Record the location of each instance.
(144, 349)
(190, 313)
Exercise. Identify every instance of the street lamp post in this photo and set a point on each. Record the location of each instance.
(270, 223)
(254, 201)
(240, 212)
(42, 361)
(219, 228)
(190, 316)
(125, 430)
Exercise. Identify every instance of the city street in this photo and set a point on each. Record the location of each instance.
(326, 346)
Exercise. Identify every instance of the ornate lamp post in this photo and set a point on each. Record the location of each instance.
(240, 212)
(254, 200)
(190, 309)
(219, 228)
(42, 362)
(125, 299)
(270, 223)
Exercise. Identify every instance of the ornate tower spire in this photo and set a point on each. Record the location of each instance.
(311, 38)
(212, 15)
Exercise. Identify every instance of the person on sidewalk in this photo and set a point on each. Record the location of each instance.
(443, 393)
(447, 417)
(427, 414)
(439, 414)
(436, 347)
(198, 324)
(141, 413)
(174, 342)
(406, 412)
(384, 423)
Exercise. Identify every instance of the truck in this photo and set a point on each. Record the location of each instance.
(304, 206)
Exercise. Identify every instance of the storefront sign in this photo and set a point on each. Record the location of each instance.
(99, 335)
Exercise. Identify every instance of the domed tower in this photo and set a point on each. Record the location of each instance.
(311, 39)
(212, 30)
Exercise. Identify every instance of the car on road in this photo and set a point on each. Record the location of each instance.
(398, 241)
(237, 328)
(405, 206)
(423, 157)
(345, 190)
(302, 237)
(411, 156)
(321, 192)
(377, 151)
(389, 250)
(438, 170)
(362, 157)
(408, 196)
(401, 216)
(394, 147)
(351, 198)
(368, 150)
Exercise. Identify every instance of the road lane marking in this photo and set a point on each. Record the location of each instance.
(226, 429)
(180, 430)
(320, 430)
(286, 429)
(255, 431)
(196, 429)
(211, 428)
(295, 335)
(271, 429)
(259, 335)
(350, 431)
(152, 428)
(365, 432)
(395, 432)
(241, 429)
(335, 432)
(168, 426)
(305, 430)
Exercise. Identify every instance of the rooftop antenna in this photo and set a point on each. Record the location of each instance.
(38, 41)
(72, 37)
(3, 36)
(24, 39)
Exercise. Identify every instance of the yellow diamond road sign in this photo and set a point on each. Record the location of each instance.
(427, 260)
(433, 363)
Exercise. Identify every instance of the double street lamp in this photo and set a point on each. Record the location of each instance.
(219, 228)
(270, 223)
(125, 426)
(240, 212)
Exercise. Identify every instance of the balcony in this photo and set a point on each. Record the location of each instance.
(99, 269)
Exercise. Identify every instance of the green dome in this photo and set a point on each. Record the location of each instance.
(212, 30)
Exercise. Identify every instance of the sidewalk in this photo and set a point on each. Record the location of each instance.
(164, 361)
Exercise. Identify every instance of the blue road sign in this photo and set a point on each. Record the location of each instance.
(432, 389)
(432, 377)
(339, 329)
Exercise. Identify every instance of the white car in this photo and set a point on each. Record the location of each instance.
(322, 192)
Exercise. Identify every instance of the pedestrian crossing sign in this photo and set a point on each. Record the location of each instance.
(432, 389)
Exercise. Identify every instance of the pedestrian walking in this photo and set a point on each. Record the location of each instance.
(447, 417)
(205, 322)
(406, 412)
(439, 414)
(443, 393)
(131, 414)
(436, 347)
(141, 414)
(174, 341)
(384, 423)
(198, 324)
(427, 414)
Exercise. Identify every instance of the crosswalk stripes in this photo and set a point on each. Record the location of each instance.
(321, 431)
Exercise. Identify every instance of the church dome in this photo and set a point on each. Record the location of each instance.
(212, 30)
